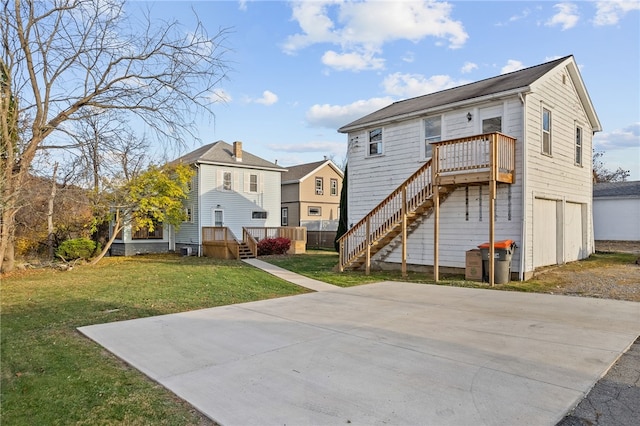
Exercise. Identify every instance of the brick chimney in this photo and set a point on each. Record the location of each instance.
(237, 151)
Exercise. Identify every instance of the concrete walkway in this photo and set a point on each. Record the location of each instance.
(292, 277)
(384, 353)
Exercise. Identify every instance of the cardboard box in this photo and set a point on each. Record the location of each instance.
(473, 265)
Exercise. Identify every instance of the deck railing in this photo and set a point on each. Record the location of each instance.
(221, 237)
(473, 159)
(293, 233)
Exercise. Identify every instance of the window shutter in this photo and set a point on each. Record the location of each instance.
(261, 183)
(236, 184)
(219, 180)
(247, 181)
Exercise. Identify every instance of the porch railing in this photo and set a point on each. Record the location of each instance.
(294, 233)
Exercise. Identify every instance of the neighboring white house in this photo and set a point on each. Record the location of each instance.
(616, 211)
(546, 123)
(231, 188)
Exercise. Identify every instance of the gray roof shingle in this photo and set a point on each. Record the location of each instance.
(502, 83)
(617, 189)
(221, 152)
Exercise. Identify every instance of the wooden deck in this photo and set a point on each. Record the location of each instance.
(220, 242)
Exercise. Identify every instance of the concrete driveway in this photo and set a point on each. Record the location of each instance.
(385, 353)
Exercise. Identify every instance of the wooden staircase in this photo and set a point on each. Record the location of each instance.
(408, 204)
(244, 252)
(474, 160)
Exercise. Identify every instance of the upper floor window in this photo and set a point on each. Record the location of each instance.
(226, 181)
(334, 186)
(188, 214)
(258, 215)
(578, 146)
(319, 186)
(490, 125)
(432, 133)
(546, 131)
(375, 142)
(253, 183)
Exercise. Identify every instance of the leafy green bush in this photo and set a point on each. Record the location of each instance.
(77, 248)
(273, 246)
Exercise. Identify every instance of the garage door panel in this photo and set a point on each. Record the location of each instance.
(544, 232)
(573, 241)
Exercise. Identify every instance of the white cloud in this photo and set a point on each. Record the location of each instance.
(567, 16)
(628, 137)
(512, 65)
(352, 61)
(468, 67)
(411, 85)
(355, 26)
(220, 95)
(336, 116)
(409, 57)
(610, 12)
(515, 18)
(268, 98)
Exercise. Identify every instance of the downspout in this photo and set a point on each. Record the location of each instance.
(523, 237)
(199, 212)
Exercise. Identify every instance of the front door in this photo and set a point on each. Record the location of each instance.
(218, 217)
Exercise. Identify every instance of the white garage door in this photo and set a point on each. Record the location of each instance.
(544, 232)
(573, 242)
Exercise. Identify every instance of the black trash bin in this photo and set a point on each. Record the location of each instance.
(503, 251)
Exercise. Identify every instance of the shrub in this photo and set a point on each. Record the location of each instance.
(273, 246)
(77, 248)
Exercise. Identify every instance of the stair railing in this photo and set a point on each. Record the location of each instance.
(251, 241)
(415, 191)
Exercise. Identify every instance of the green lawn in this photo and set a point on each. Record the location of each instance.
(53, 375)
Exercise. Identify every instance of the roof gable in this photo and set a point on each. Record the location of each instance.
(514, 82)
(221, 153)
(296, 174)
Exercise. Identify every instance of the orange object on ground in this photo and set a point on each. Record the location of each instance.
(504, 244)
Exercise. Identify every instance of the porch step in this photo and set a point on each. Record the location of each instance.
(245, 251)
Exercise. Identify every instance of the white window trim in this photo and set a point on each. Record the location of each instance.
(314, 207)
(188, 209)
(423, 134)
(543, 132)
(284, 216)
(368, 148)
(259, 218)
(577, 127)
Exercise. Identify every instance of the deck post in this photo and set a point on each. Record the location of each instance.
(404, 232)
(436, 212)
(492, 207)
(368, 247)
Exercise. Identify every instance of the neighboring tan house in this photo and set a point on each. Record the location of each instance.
(510, 154)
(311, 192)
(311, 198)
(231, 188)
(616, 211)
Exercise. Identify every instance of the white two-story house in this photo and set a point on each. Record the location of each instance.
(509, 157)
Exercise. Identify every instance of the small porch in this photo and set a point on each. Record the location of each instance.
(220, 242)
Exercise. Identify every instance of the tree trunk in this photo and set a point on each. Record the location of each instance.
(50, 233)
(117, 227)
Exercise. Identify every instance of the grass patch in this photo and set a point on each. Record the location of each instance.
(50, 374)
(321, 265)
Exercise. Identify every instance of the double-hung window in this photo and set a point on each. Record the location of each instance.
(578, 146)
(253, 183)
(375, 142)
(432, 133)
(546, 131)
(226, 181)
(319, 186)
(334, 187)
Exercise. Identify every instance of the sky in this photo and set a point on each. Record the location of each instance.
(300, 70)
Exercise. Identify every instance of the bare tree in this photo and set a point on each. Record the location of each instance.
(62, 60)
(602, 174)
